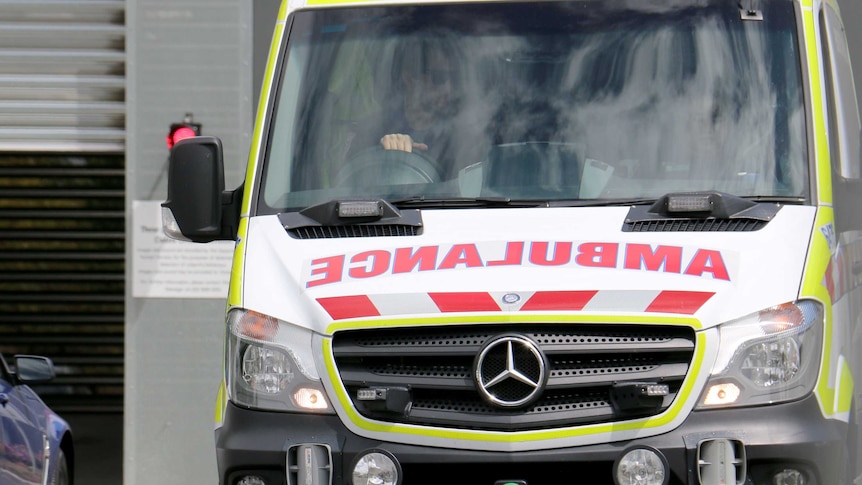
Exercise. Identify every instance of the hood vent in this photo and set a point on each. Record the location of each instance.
(695, 225)
(700, 212)
(358, 230)
(351, 218)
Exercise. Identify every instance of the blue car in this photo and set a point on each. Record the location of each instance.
(35, 443)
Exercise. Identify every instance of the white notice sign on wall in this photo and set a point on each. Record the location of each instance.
(166, 268)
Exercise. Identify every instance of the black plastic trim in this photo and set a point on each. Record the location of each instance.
(785, 433)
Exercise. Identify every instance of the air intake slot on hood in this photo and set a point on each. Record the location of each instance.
(334, 232)
(700, 212)
(351, 218)
(694, 225)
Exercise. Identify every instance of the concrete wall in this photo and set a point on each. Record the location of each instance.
(183, 56)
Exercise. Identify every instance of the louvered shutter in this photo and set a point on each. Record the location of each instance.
(62, 75)
(62, 196)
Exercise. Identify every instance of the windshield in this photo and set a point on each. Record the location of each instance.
(556, 101)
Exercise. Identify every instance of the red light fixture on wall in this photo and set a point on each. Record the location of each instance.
(180, 131)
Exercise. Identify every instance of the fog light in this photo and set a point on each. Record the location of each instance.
(251, 480)
(641, 466)
(376, 467)
(789, 476)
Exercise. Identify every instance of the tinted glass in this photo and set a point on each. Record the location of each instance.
(539, 101)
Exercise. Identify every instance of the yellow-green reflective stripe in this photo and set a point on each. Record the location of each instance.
(262, 113)
(234, 297)
(845, 389)
(221, 404)
(821, 140)
(819, 255)
(510, 318)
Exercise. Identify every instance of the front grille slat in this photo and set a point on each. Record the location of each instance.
(453, 413)
(416, 351)
(427, 382)
(585, 362)
(590, 377)
(671, 345)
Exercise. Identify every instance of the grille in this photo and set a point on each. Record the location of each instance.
(585, 362)
(695, 225)
(333, 232)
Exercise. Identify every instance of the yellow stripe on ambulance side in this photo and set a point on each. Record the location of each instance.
(237, 267)
(834, 389)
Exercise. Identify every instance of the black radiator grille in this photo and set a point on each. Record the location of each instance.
(584, 362)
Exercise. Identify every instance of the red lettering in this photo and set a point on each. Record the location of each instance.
(331, 269)
(379, 264)
(708, 261)
(668, 256)
(465, 254)
(539, 253)
(514, 253)
(599, 255)
(406, 260)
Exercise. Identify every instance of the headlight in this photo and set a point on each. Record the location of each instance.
(770, 356)
(270, 365)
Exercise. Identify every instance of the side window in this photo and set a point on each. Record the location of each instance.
(844, 124)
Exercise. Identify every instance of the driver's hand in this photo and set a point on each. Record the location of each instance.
(398, 141)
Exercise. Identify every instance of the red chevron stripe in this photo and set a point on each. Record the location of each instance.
(342, 307)
(465, 302)
(683, 302)
(558, 300)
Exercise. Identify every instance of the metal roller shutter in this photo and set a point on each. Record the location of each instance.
(62, 202)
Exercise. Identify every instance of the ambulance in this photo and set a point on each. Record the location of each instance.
(541, 242)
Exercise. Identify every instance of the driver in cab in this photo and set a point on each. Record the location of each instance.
(422, 110)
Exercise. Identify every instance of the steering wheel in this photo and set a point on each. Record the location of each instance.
(377, 166)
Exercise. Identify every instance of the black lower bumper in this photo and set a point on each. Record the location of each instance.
(792, 435)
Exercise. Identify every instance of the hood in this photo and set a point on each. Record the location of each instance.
(558, 260)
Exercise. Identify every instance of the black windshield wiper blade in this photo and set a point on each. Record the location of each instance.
(465, 202)
(780, 199)
(602, 202)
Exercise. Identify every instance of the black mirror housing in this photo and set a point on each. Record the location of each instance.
(196, 191)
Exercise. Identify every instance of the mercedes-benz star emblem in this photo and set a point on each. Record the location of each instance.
(510, 371)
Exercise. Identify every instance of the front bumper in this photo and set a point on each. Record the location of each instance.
(792, 435)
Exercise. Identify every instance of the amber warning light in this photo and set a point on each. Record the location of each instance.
(180, 131)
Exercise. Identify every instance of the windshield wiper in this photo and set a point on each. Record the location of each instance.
(601, 202)
(780, 199)
(423, 202)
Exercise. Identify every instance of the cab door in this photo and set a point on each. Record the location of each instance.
(845, 278)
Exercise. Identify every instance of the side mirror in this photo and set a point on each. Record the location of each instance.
(33, 369)
(196, 196)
